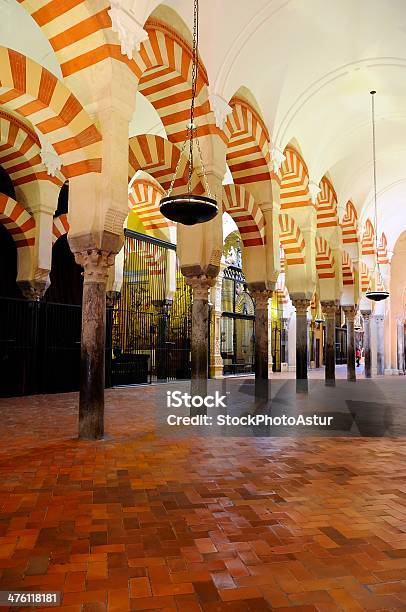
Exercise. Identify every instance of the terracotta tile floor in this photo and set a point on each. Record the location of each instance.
(143, 522)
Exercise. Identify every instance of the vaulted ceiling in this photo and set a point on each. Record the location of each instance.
(310, 65)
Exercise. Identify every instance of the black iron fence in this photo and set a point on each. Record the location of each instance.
(152, 315)
(40, 347)
(147, 332)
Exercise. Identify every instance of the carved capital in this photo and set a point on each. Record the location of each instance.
(130, 32)
(261, 298)
(200, 286)
(301, 305)
(95, 264)
(366, 314)
(220, 108)
(350, 313)
(329, 308)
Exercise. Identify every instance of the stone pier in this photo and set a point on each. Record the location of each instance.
(330, 309)
(95, 265)
(366, 315)
(301, 306)
(350, 318)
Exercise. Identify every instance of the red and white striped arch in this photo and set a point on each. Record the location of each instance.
(368, 239)
(28, 89)
(20, 152)
(349, 224)
(324, 259)
(280, 287)
(19, 223)
(60, 227)
(247, 215)
(326, 205)
(365, 276)
(292, 240)
(347, 269)
(248, 144)
(383, 250)
(295, 181)
(79, 31)
(164, 67)
(159, 158)
(144, 199)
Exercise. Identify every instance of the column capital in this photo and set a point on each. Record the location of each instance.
(350, 313)
(301, 305)
(95, 264)
(366, 314)
(34, 289)
(200, 286)
(379, 317)
(261, 297)
(329, 307)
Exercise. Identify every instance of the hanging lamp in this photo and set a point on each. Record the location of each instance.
(188, 208)
(378, 295)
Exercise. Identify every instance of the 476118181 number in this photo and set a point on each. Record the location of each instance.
(30, 598)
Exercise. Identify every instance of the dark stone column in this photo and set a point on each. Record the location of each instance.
(329, 309)
(200, 336)
(366, 314)
(95, 263)
(261, 298)
(400, 327)
(350, 317)
(380, 344)
(301, 306)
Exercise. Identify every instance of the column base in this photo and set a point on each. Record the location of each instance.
(216, 372)
(302, 385)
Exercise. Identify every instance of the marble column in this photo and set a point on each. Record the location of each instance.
(95, 265)
(380, 344)
(330, 309)
(261, 298)
(301, 306)
(200, 336)
(400, 327)
(366, 315)
(350, 318)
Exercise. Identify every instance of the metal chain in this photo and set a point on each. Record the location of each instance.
(374, 160)
(195, 68)
(192, 127)
(176, 170)
(206, 182)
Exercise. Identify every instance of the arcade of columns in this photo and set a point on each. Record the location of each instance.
(78, 130)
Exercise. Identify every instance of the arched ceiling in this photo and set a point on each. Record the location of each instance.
(310, 64)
